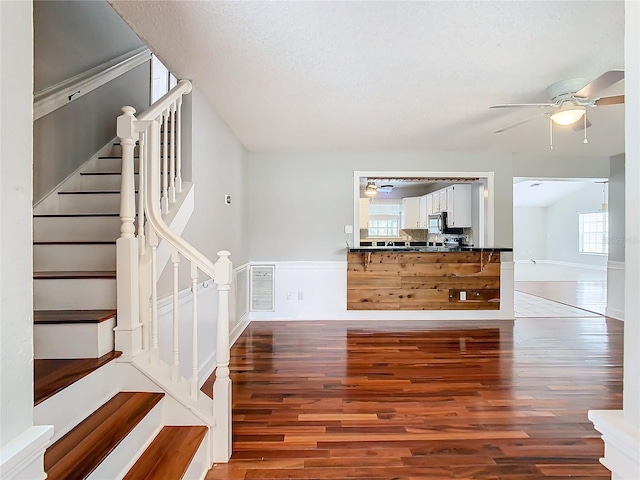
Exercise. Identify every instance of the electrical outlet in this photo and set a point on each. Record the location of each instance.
(227, 199)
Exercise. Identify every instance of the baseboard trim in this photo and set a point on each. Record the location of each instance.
(615, 265)
(572, 264)
(614, 313)
(23, 457)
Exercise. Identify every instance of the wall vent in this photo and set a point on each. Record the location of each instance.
(242, 293)
(262, 288)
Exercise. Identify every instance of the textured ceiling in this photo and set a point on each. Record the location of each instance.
(309, 75)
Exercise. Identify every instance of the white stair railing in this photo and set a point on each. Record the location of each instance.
(158, 133)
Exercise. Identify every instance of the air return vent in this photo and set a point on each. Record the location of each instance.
(242, 293)
(262, 288)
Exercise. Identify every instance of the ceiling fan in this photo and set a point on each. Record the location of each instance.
(569, 99)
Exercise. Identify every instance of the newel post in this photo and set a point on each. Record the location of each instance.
(223, 271)
(128, 333)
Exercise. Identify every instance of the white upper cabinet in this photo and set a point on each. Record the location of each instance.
(424, 213)
(435, 202)
(458, 205)
(410, 212)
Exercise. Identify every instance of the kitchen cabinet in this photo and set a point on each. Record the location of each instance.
(443, 200)
(458, 198)
(435, 202)
(364, 213)
(424, 214)
(429, 205)
(410, 212)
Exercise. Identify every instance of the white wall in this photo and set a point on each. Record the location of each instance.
(299, 203)
(16, 323)
(529, 233)
(562, 226)
(554, 166)
(632, 219)
(616, 209)
(216, 162)
(219, 167)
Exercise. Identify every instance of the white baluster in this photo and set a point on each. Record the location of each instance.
(153, 242)
(194, 326)
(152, 186)
(179, 148)
(164, 202)
(172, 156)
(175, 259)
(222, 270)
(128, 332)
(142, 154)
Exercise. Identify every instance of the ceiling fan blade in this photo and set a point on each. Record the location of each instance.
(580, 125)
(612, 100)
(603, 81)
(521, 122)
(510, 105)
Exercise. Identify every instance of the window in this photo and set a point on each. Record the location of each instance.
(594, 232)
(161, 79)
(384, 217)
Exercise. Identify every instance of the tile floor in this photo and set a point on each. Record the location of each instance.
(530, 306)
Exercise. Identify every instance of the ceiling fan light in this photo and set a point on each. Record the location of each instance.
(568, 116)
(371, 189)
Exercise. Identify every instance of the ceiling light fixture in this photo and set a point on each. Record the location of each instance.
(371, 189)
(568, 115)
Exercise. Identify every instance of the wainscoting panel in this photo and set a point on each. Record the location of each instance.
(318, 291)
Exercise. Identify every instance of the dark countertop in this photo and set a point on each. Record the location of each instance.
(429, 249)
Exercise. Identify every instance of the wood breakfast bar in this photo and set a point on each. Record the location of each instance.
(424, 278)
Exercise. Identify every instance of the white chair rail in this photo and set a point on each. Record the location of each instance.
(157, 133)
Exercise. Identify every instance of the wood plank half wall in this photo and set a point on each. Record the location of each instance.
(423, 281)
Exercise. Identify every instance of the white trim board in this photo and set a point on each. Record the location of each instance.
(23, 457)
(59, 95)
(571, 264)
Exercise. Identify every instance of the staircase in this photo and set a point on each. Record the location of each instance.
(117, 416)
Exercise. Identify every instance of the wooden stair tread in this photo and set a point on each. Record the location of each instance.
(90, 192)
(43, 317)
(103, 173)
(89, 242)
(73, 275)
(116, 156)
(54, 375)
(169, 455)
(67, 215)
(80, 451)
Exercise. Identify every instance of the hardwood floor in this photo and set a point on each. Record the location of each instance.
(423, 400)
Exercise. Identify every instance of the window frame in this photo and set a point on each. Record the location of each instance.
(597, 242)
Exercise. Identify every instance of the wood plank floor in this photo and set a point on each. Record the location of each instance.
(423, 400)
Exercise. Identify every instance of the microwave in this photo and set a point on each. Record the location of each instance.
(438, 225)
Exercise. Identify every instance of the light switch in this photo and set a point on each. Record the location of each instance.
(348, 229)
